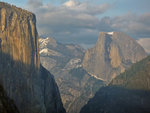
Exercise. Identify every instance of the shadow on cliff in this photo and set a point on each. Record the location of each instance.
(30, 88)
(113, 99)
(6, 104)
(14, 77)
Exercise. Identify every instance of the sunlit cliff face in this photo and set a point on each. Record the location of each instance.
(19, 27)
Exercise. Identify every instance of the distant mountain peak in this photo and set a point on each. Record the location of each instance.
(109, 33)
(113, 53)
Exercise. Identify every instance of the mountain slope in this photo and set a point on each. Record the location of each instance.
(118, 100)
(113, 53)
(137, 77)
(76, 87)
(127, 93)
(54, 54)
(64, 61)
(31, 86)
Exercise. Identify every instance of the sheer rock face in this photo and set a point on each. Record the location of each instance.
(19, 26)
(6, 104)
(113, 53)
(32, 88)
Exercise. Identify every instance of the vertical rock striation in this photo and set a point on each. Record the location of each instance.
(113, 53)
(19, 37)
(32, 87)
(6, 104)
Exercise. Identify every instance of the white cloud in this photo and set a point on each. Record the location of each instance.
(135, 25)
(70, 20)
(34, 3)
(71, 3)
(79, 22)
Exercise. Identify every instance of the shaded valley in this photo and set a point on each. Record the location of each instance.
(80, 73)
(64, 62)
(127, 93)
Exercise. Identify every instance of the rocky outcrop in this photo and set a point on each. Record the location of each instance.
(17, 25)
(76, 88)
(54, 55)
(32, 87)
(51, 96)
(113, 53)
(127, 93)
(145, 43)
(64, 61)
(6, 104)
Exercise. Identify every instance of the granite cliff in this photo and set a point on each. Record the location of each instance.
(64, 62)
(6, 104)
(145, 43)
(113, 53)
(127, 93)
(31, 86)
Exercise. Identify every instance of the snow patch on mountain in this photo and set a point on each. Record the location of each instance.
(95, 76)
(49, 52)
(110, 33)
(44, 42)
(73, 63)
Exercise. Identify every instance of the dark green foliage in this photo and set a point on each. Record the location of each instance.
(118, 100)
(137, 77)
(127, 93)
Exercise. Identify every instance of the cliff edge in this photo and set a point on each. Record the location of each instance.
(32, 87)
(113, 53)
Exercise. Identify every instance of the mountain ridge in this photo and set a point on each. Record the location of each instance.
(113, 53)
(129, 92)
(76, 84)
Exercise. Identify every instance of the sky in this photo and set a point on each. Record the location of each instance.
(80, 21)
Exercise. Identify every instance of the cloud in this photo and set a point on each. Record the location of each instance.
(71, 21)
(135, 25)
(81, 22)
(34, 3)
(86, 8)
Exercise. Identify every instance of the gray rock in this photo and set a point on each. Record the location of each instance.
(32, 88)
(64, 61)
(6, 104)
(113, 53)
